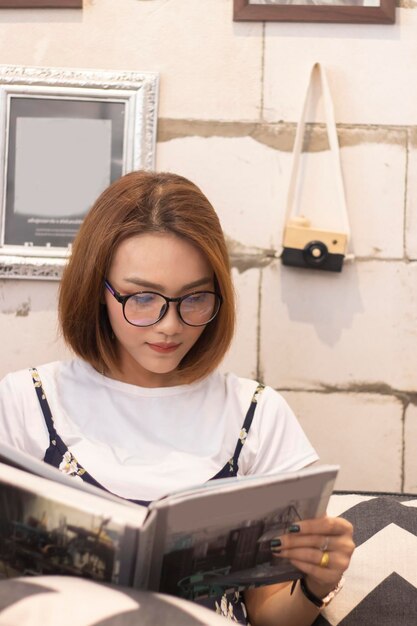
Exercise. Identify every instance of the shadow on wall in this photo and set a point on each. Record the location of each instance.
(328, 301)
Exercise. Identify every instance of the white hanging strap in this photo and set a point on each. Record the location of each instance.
(334, 148)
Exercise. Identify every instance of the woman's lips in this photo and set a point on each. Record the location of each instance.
(164, 348)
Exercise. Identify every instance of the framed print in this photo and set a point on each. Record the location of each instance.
(41, 4)
(348, 11)
(65, 135)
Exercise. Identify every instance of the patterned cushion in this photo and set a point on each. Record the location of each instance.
(52, 600)
(381, 582)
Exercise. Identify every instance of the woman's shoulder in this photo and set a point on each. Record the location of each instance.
(15, 380)
(251, 389)
(26, 375)
(21, 382)
(276, 441)
(21, 424)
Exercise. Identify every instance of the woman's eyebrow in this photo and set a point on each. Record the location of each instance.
(158, 287)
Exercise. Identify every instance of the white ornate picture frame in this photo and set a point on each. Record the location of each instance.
(65, 135)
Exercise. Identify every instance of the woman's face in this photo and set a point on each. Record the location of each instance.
(161, 262)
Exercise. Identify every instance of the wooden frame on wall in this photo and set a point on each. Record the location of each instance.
(347, 11)
(41, 4)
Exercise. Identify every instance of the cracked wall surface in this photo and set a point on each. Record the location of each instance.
(342, 348)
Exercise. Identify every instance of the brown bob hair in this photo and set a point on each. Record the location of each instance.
(137, 203)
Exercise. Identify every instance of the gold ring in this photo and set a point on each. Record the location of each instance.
(324, 561)
(325, 544)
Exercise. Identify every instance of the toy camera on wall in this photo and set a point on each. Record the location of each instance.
(304, 246)
(311, 248)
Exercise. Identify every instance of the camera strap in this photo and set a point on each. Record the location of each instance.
(334, 148)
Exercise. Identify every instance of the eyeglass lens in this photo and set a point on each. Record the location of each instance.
(146, 308)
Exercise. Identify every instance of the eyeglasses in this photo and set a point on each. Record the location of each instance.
(146, 308)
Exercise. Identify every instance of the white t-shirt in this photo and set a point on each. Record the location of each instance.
(142, 443)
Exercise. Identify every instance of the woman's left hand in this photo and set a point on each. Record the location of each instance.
(321, 548)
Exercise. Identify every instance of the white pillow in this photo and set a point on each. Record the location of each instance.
(55, 600)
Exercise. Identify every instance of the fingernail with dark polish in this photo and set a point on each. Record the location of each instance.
(294, 528)
(275, 543)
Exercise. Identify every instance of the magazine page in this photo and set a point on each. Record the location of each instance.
(236, 483)
(52, 528)
(19, 459)
(219, 537)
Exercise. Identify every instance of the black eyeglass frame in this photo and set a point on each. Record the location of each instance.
(123, 299)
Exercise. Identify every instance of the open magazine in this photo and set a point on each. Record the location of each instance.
(192, 544)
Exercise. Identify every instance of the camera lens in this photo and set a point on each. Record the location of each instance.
(315, 253)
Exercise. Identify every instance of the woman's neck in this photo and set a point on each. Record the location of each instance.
(133, 374)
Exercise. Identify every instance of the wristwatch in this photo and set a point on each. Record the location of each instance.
(321, 603)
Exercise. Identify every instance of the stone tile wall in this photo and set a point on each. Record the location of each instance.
(341, 348)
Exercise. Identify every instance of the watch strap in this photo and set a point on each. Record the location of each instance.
(320, 603)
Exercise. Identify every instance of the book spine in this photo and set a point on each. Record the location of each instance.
(144, 552)
(158, 548)
(127, 557)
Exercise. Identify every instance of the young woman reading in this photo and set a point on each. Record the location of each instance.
(146, 304)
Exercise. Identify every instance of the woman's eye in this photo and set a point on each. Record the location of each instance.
(143, 298)
(196, 298)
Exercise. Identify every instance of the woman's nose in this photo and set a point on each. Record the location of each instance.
(171, 321)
